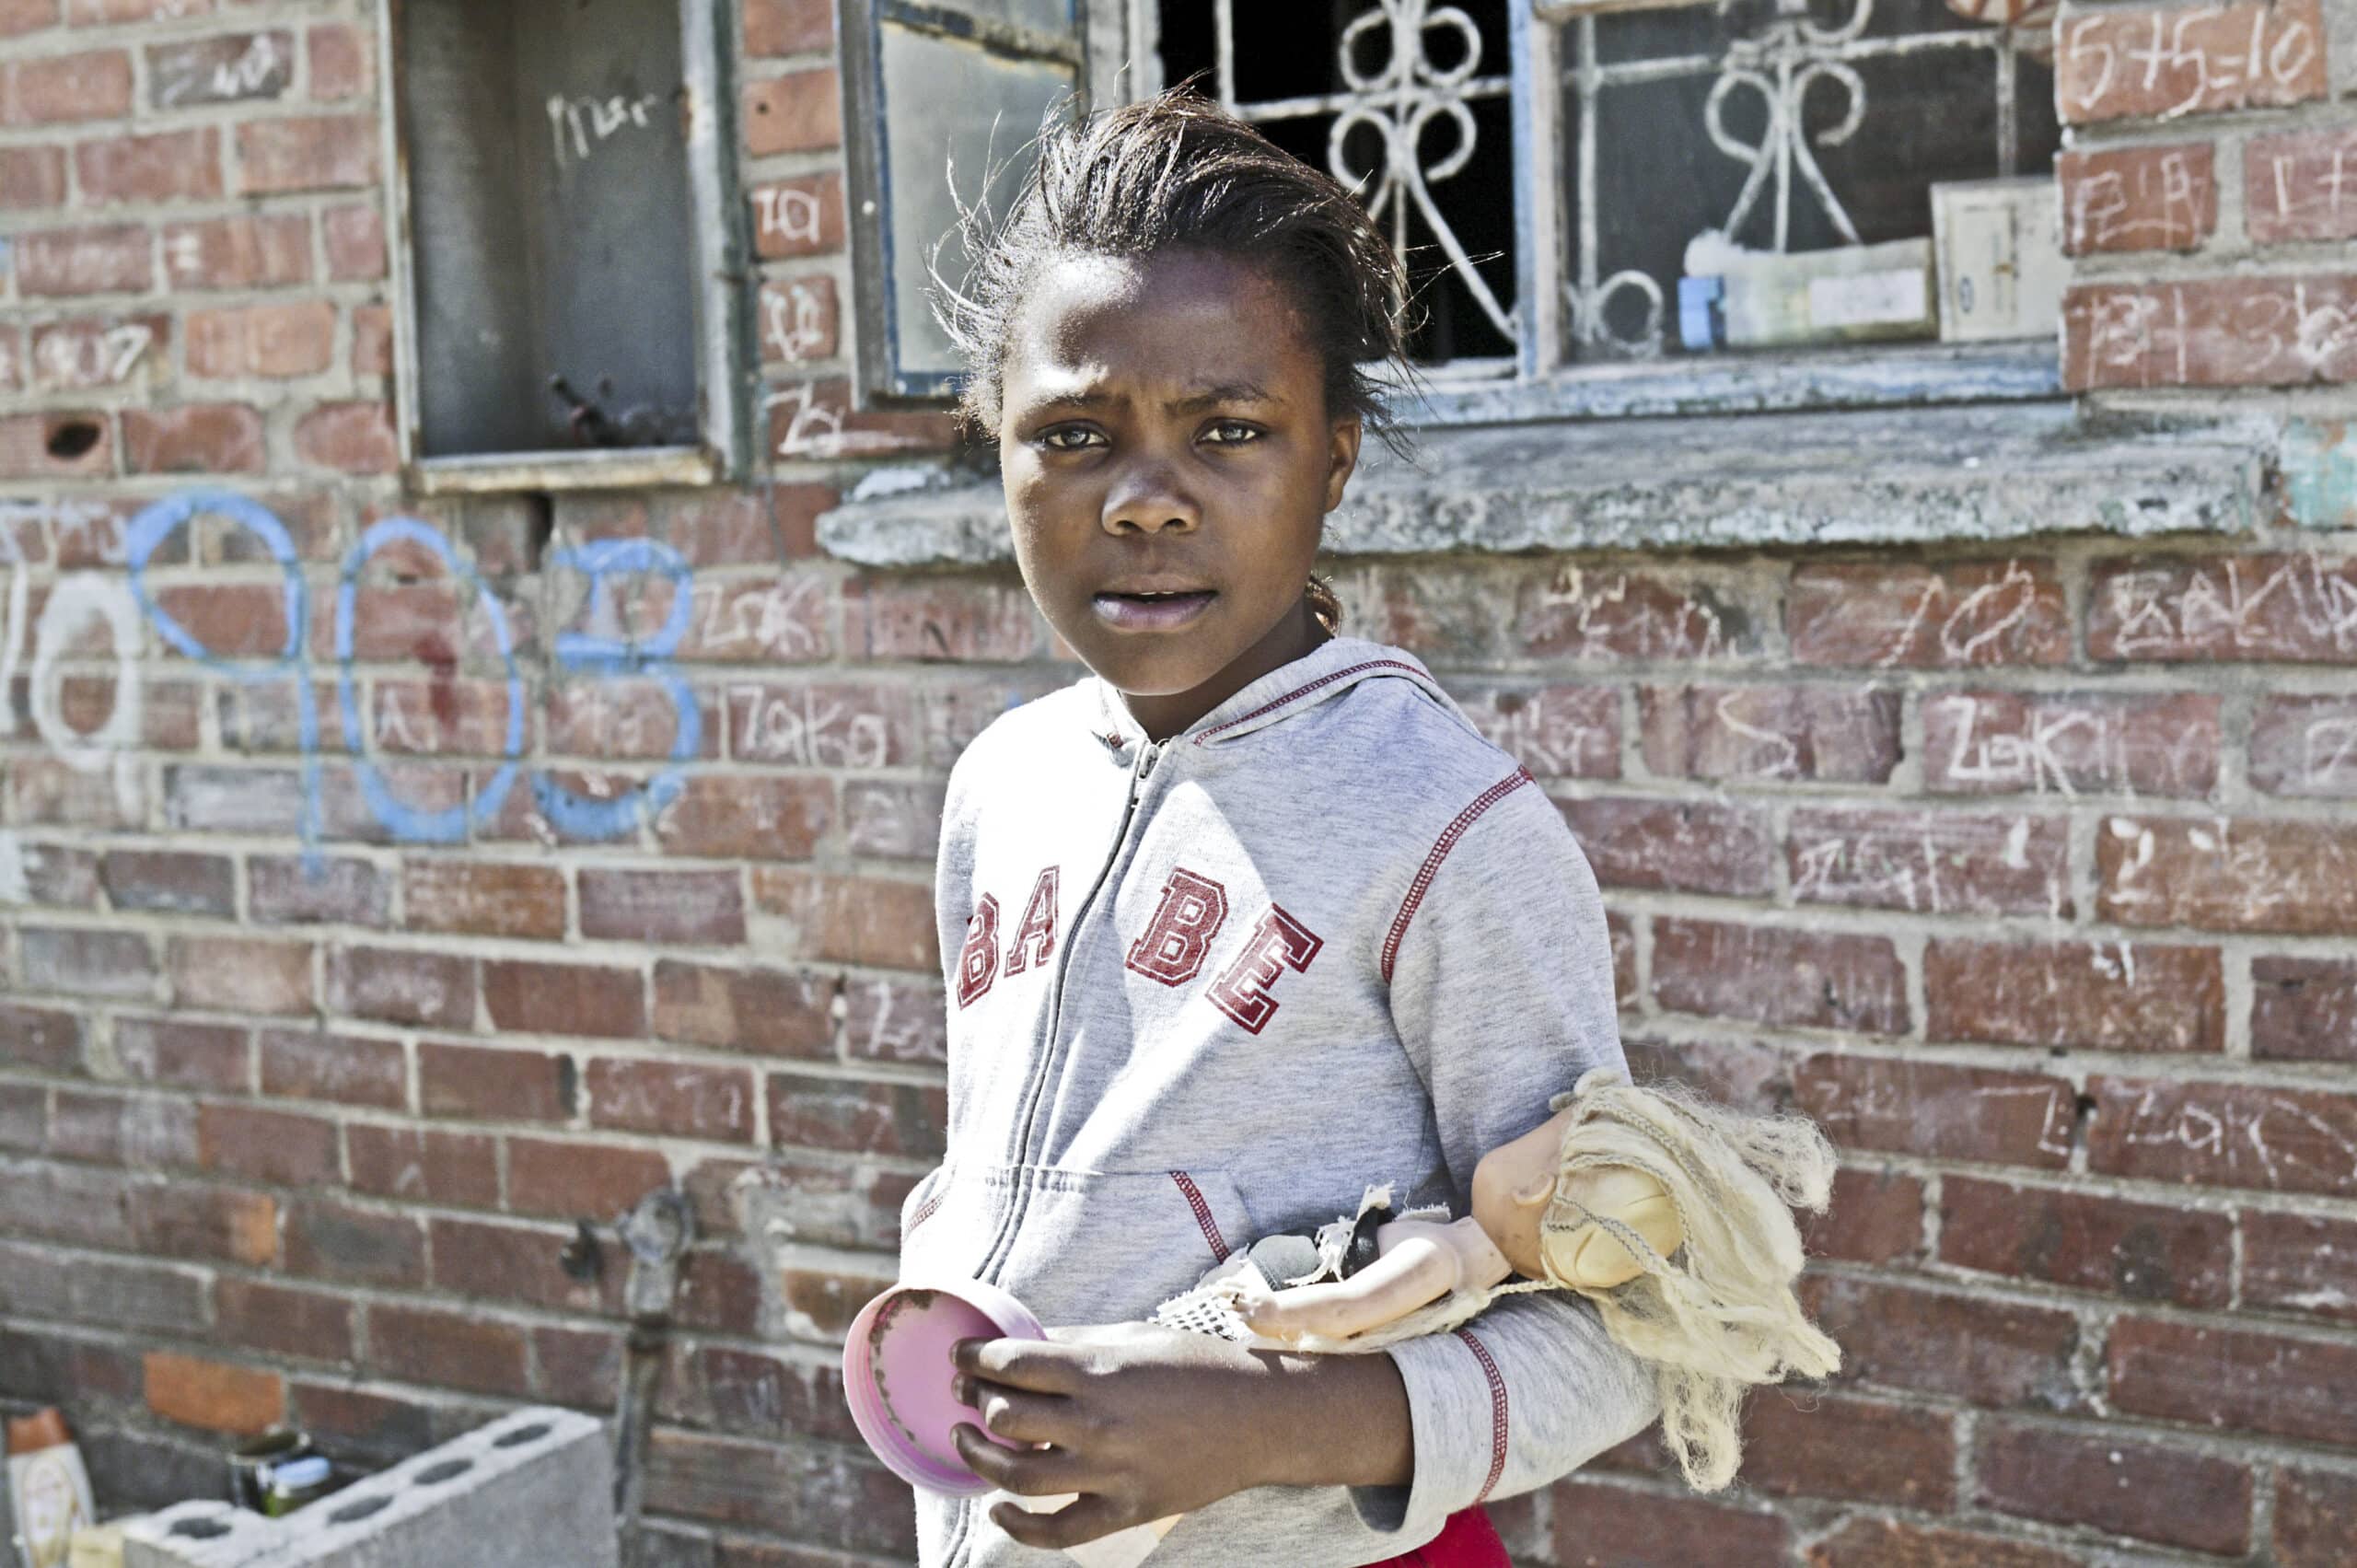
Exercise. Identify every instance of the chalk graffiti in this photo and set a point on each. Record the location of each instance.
(587, 121)
(789, 213)
(797, 320)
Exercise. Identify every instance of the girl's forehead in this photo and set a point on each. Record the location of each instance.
(1141, 310)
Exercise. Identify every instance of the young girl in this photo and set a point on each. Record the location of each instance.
(1247, 923)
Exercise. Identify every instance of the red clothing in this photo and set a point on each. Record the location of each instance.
(1468, 1540)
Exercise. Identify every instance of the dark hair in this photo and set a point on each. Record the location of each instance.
(1179, 172)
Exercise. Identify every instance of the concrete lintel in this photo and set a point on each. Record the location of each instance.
(1890, 477)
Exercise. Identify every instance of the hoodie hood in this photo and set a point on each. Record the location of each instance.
(1326, 672)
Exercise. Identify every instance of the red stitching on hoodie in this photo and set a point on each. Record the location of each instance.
(1431, 867)
(1202, 1215)
(924, 1212)
(1497, 1412)
(1305, 690)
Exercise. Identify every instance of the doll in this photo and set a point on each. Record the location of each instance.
(1672, 1216)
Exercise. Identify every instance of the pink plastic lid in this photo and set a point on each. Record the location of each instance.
(897, 1373)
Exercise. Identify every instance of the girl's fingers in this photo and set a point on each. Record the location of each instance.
(1027, 1472)
(1035, 1364)
(1021, 1417)
(1075, 1522)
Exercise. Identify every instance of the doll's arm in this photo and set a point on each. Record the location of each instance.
(1419, 1262)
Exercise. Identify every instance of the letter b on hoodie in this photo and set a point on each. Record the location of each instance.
(1175, 943)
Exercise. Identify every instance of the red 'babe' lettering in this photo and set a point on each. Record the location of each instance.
(1189, 916)
(1038, 928)
(1278, 943)
(978, 959)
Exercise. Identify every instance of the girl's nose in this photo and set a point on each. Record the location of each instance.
(1148, 499)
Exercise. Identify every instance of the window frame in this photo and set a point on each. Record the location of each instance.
(720, 258)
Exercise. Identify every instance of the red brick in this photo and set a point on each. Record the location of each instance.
(234, 67)
(330, 1239)
(85, 962)
(142, 1130)
(2315, 1518)
(354, 238)
(168, 166)
(827, 1301)
(1556, 732)
(349, 1069)
(798, 217)
(2225, 1135)
(613, 717)
(175, 1051)
(2076, 995)
(501, 1261)
(60, 875)
(447, 1350)
(323, 152)
(2236, 331)
(1674, 845)
(230, 620)
(2140, 1251)
(822, 724)
(2300, 1263)
(1931, 861)
(95, 85)
(100, 351)
(858, 920)
(2160, 198)
(849, 1504)
(55, 446)
(2304, 1010)
(1833, 733)
(277, 341)
(111, 259)
(213, 1395)
(770, 620)
(1966, 614)
(1986, 1352)
(1937, 1111)
(704, 907)
(2305, 746)
(565, 999)
(494, 1082)
(957, 619)
(1863, 1450)
(340, 62)
(240, 974)
(439, 1168)
(247, 251)
(887, 820)
(788, 27)
(2132, 1489)
(279, 1146)
(1876, 1217)
(1602, 1525)
(41, 1038)
(401, 985)
(576, 1368)
(204, 439)
(484, 898)
(260, 1316)
(1888, 1543)
(190, 1220)
(680, 1098)
(31, 177)
(800, 321)
(284, 890)
(856, 1116)
(2066, 744)
(1596, 617)
(2233, 1380)
(794, 113)
(372, 341)
(767, 1011)
(351, 437)
(2294, 186)
(564, 1179)
(894, 1019)
(2163, 63)
(2217, 875)
(738, 816)
(169, 882)
(26, 15)
(24, 1115)
(1804, 978)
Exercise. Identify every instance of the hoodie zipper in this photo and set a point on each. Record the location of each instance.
(1020, 1199)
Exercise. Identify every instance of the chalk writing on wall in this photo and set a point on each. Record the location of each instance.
(580, 124)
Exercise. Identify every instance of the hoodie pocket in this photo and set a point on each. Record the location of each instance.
(1110, 1247)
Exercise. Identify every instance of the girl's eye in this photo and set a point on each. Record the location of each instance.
(1071, 438)
(1231, 432)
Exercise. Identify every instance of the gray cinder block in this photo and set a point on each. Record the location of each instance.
(531, 1490)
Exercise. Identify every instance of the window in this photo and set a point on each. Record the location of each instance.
(566, 314)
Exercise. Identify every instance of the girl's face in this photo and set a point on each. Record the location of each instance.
(1168, 461)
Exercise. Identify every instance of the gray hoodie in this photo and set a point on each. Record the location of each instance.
(1211, 989)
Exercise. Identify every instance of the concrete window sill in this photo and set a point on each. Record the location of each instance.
(1922, 475)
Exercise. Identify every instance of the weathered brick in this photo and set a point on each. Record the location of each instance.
(1778, 733)
(1964, 614)
(2233, 1379)
(887, 820)
(281, 1146)
(2304, 1009)
(202, 1222)
(2141, 1489)
(93, 84)
(108, 259)
(2230, 331)
(773, 1012)
(771, 619)
(1875, 1216)
(222, 68)
(293, 889)
(800, 320)
(822, 1494)
(282, 1320)
(353, 437)
(788, 27)
(494, 1082)
(2167, 62)
(958, 619)
(822, 724)
(143, 1131)
(1674, 845)
(565, 999)
(347, 1069)
(1938, 1111)
(1889, 1543)
(2305, 746)
(85, 962)
(2221, 875)
(2158, 198)
(169, 882)
(1807, 978)
(249, 252)
(100, 1293)
(1930, 862)
(857, 920)
(797, 217)
(2294, 186)
(2141, 1251)
(59, 876)
(355, 240)
(213, 1395)
(499, 1261)
(704, 907)
(165, 166)
(1863, 1450)
(340, 61)
(277, 341)
(100, 351)
(2076, 995)
(547, 1176)
(447, 1350)
(798, 112)
(856, 1116)
(1653, 1530)
(2058, 743)
(2300, 1263)
(46, 1039)
(894, 1019)
(1986, 1352)
(372, 339)
(2316, 1517)
(438, 1166)
(330, 1239)
(484, 898)
(240, 974)
(1607, 617)
(2225, 1135)
(175, 1052)
(402, 986)
(322, 152)
(683, 1099)
(205, 438)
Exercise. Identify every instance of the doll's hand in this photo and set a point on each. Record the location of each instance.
(1144, 1422)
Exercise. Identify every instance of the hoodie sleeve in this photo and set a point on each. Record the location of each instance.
(1501, 986)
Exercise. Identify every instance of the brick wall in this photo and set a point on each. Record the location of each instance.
(2032, 875)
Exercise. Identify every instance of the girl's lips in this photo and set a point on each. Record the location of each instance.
(1158, 612)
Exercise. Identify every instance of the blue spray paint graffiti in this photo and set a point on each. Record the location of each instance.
(621, 657)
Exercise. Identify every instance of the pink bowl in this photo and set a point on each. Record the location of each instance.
(897, 1373)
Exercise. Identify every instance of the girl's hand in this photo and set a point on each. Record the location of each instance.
(1144, 1422)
